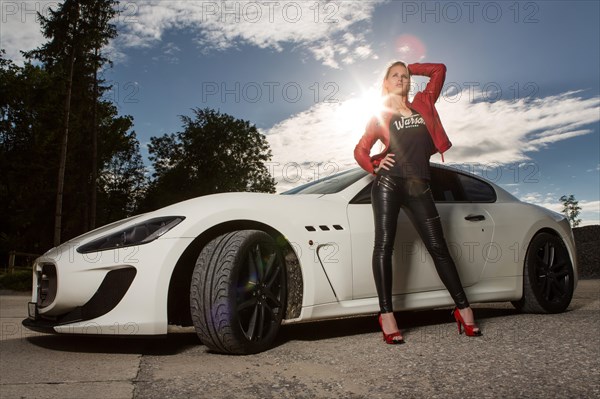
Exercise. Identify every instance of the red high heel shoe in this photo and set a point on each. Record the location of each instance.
(469, 328)
(389, 338)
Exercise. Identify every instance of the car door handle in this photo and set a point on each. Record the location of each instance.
(475, 218)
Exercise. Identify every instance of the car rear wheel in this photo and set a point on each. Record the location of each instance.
(548, 279)
(238, 292)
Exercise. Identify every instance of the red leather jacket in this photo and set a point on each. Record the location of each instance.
(424, 103)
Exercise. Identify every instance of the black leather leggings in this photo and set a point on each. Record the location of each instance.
(388, 195)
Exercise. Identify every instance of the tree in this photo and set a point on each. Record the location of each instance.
(571, 209)
(27, 155)
(77, 30)
(101, 31)
(214, 153)
(122, 181)
(32, 105)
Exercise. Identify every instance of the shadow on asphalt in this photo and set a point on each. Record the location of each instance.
(159, 346)
(175, 343)
(410, 320)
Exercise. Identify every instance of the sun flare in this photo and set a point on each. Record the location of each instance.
(353, 114)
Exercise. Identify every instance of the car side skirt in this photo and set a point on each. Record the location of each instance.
(490, 290)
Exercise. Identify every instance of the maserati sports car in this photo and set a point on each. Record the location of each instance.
(236, 266)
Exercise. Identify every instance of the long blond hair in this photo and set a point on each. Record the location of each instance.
(387, 74)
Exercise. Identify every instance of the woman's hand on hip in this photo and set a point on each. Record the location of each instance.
(386, 163)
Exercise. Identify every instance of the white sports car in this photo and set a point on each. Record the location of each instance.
(238, 265)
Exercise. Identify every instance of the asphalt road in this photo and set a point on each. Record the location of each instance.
(519, 356)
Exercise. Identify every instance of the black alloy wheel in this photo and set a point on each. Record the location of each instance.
(260, 286)
(238, 292)
(548, 280)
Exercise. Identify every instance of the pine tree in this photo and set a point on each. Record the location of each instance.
(77, 32)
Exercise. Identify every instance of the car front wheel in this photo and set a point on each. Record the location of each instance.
(548, 279)
(238, 292)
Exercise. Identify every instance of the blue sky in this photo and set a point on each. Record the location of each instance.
(521, 101)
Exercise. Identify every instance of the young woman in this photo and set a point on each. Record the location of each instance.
(411, 132)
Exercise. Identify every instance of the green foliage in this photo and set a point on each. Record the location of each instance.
(32, 103)
(77, 31)
(18, 280)
(79, 27)
(27, 156)
(571, 209)
(122, 182)
(214, 153)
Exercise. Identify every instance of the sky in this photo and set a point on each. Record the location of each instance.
(521, 100)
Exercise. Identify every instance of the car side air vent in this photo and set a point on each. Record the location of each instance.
(324, 227)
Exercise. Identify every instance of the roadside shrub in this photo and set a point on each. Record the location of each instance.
(18, 280)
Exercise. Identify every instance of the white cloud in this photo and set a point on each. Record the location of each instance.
(319, 141)
(497, 133)
(589, 213)
(322, 29)
(590, 206)
(506, 130)
(309, 145)
(169, 53)
(20, 28)
(594, 170)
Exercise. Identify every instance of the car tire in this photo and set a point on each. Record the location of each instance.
(548, 278)
(238, 292)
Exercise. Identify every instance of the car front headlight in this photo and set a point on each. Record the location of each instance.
(138, 234)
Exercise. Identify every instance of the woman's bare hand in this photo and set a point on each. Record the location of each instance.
(387, 162)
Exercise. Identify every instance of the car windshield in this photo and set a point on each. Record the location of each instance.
(330, 184)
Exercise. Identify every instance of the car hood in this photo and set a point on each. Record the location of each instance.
(234, 205)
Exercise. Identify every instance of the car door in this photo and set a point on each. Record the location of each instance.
(463, 203)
